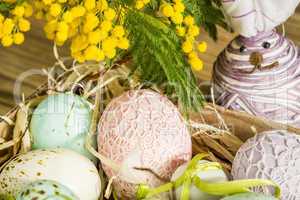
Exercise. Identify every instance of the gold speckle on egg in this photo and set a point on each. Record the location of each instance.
(93, 171)
(41, 192)
(40, 162)
(39, 174)
(3, 185)
(22, 172)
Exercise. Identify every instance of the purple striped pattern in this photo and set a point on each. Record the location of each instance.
(271, 93)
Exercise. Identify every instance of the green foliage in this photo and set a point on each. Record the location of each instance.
(122, 3)
(156, 49)
(6, 197)
(208, 14)
(5, 7)
(157, 54)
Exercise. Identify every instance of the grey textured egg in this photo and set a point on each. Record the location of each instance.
(273, 155)
(46, 189)
(249, 196)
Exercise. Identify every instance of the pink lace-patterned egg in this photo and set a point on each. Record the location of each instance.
(273, 155)
(144, 133)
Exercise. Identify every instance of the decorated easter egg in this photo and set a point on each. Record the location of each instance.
(249, 196)
(273, 155)
(211, 175)
(67, 167)
(144, 134)
(62, 120)
(46, 189)
(260, 75)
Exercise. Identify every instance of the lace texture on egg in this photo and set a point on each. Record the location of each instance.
(143, 129)
(273, 155)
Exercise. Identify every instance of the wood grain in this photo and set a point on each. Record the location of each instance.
(36, 53)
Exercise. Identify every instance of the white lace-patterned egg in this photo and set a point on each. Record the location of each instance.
(144, 133)
(66, 167)
(273, 155)
(211, 176)
(249, 196)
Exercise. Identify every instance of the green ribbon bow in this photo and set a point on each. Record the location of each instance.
(190, 177)
(6, 197)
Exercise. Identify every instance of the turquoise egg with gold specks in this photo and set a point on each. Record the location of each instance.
(46, 190)
(62, 121)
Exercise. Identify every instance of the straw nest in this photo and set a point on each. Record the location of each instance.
(214, 130)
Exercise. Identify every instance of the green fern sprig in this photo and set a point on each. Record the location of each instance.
(157, 54)
(5, 7)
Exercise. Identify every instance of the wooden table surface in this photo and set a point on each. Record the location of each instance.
(36, 53)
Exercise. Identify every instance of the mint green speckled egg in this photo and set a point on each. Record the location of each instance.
(62, 120)
(46, 190)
